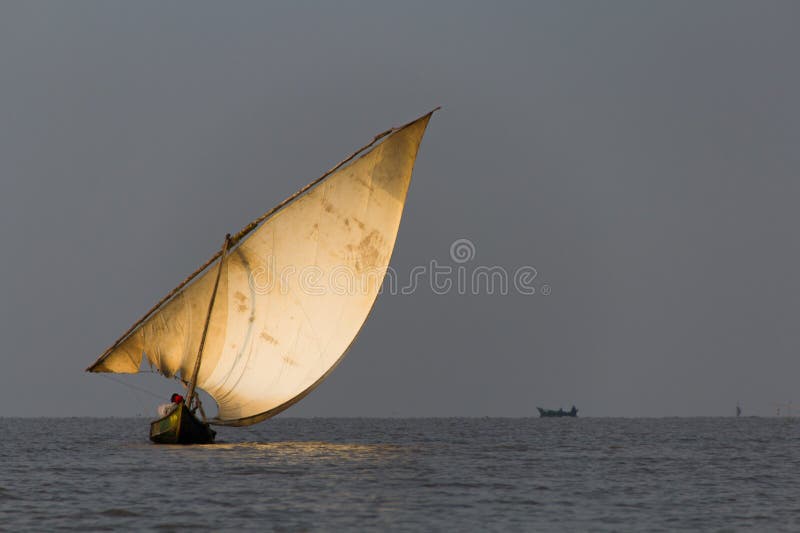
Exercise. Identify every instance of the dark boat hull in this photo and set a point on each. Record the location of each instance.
(550, 413)
(180, 426)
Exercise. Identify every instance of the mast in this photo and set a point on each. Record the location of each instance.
(193, 383)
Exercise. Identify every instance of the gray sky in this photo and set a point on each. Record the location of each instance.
(643, 157)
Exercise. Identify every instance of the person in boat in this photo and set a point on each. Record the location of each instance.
(165, 409)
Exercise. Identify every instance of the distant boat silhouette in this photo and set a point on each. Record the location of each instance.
(547, 413)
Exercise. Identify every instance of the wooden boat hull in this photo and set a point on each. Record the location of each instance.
(180, 426)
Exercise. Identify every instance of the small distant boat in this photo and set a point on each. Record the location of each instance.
(548, 413)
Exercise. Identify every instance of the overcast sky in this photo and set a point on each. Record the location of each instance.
(642, 157)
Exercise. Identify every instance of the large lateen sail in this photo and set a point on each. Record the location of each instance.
(295, 289)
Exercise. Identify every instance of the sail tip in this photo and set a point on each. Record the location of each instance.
(93, 367)
(99, 361)
(395, 129)
(427, 115)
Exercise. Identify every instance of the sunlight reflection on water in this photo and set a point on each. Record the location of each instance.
(302, 450)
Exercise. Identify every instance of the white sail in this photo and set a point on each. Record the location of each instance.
(293, 292)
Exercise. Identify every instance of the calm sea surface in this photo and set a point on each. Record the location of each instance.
(405, 474)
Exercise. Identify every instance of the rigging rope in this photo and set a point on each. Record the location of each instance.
(140, 389)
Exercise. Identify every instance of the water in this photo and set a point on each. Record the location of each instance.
(405, 474)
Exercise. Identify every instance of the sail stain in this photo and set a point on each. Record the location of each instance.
(269, 338)
(328, 206)
(369, 250)
(241, 301)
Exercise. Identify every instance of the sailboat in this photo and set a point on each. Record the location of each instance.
(269, 316)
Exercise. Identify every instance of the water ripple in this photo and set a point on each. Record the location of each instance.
(378, 474)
